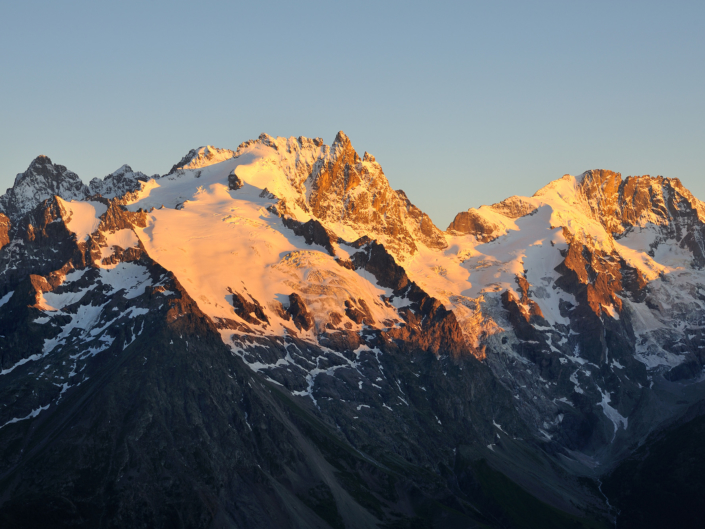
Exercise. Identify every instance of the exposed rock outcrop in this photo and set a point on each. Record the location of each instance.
(472, 223)
(429, 325)
(234, 182)
(249, 310)
(300, 314)
(637, 202)
(313, 232)
(549, 339)
(5, 225)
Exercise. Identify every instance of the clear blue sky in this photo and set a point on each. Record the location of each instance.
(463, 103)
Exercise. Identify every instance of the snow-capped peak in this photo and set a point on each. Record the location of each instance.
(118, 183)
(42, 179)
(124, 169)
(202, 157)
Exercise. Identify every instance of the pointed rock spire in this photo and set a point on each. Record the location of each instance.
(345, 189)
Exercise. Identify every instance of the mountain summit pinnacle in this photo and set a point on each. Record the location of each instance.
(341, 138)
(40, 181)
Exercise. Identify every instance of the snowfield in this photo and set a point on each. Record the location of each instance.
(218, 240)
(83, 216)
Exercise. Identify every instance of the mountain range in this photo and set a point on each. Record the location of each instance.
(272, 336)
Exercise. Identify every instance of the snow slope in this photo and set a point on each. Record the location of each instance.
(83, 216)
(532, 245)
(218, 241)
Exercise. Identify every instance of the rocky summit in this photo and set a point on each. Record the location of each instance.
(272, 336)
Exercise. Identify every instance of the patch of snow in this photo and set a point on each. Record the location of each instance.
(31, 358)
(131, 277)
(498, 427)
(124, 238)
(574, 380)
(52, 301)
(6, 298)
(84, 216)
(611, 413)
(31, 415)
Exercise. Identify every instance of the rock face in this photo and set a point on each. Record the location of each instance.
(472, 223)
(299, 313)
(40, 181)
(5, 226)
(313, 232)
(248, 309)
(336, 186)
(43, 180)
(355, 191)
(118, 183)
(660, 204)
(257, 340)
(234, 182)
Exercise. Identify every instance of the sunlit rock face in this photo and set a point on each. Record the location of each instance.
(257, 317)
(346, 188)
(337, 186)
(473, 223)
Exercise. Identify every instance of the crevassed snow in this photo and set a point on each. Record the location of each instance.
(218, 240)
(237, 236)
(84, 216)
(469, 272)
(462, 275)
(260, 168)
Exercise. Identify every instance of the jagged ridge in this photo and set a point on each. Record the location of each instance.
(324, 281)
